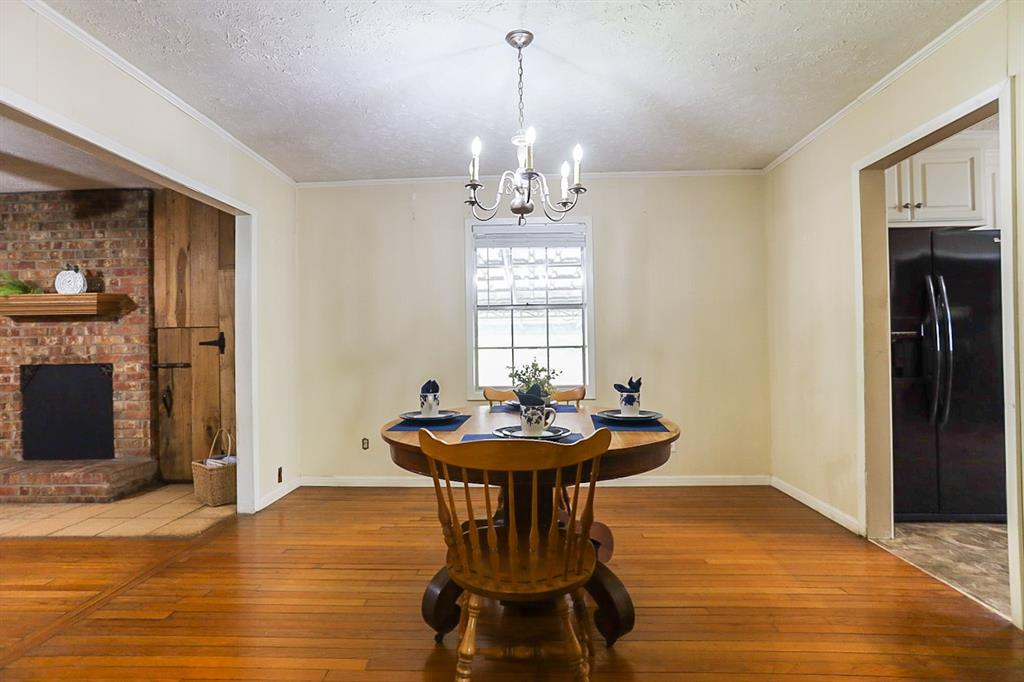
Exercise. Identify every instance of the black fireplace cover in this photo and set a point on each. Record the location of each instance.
(67, 411)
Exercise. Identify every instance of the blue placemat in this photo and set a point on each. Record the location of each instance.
(571, 438)
(515, 410)
(453, 425)
(618, 426)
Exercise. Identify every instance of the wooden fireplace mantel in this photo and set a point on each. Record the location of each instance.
(65, 305)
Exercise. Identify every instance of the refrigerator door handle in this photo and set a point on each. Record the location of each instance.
(948, 370)
(931, 324)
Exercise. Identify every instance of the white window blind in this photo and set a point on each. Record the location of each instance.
(529, 298)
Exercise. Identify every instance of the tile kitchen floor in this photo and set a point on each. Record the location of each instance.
(971, 557)
(170, 511)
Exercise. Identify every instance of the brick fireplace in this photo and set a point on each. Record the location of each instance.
(107, 233)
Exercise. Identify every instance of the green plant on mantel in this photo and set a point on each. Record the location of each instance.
(534, 373)
(12, 286)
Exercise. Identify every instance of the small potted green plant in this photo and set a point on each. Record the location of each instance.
(533, 374)
(12, 286)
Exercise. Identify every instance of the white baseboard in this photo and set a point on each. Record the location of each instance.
(633, 481)
(823, 508)
(663, 481)
(277, 493)
(409, 481)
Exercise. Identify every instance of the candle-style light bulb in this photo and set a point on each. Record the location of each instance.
(474, 163)
(531, 137)
(577, 157)
(565, 181)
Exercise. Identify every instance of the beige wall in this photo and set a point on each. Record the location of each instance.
(814, 271)
(679, 271)
(57, 72)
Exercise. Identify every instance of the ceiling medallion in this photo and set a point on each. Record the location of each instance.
(524, 184)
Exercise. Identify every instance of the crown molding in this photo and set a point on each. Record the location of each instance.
(595, 174)
(949, 34)
(79, 34)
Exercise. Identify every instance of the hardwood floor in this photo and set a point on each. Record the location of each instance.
(735, 584)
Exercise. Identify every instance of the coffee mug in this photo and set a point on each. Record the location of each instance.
(536, 418)
(629, 404)
(429, 404)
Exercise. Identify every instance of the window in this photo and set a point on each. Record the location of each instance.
(529, 298)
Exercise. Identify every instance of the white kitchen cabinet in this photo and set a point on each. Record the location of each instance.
(946, 186)
(897, 192)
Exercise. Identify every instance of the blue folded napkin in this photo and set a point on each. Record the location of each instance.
(571, 438)
(630, 387)
(532, 397)
(453, 425)
(620, 426)
(430, 387)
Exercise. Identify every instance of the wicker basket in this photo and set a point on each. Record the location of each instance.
(216, 485)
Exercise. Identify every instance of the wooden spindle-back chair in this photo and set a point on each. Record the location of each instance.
(498, 395)
(520, 552)
(570, 395)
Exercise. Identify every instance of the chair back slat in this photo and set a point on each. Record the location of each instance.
(443, 515)
(456, 525)
(513, 531)
(553, 529)
(530, 547)
(474, 539)
(571, 526)
(587, 516)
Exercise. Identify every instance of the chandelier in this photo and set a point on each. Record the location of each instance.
(525, 184)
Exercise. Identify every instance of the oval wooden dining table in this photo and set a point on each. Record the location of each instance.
(630, 453)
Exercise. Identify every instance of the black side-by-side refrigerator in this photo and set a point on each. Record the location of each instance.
(947, 376)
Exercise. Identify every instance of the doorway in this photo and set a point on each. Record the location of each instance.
(939, 370)
(240, 296)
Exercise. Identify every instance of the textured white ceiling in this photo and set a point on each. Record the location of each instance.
(332, 90)
(32, 161)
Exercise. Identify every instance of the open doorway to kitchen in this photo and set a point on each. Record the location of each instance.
(155, 333)
(936, 240)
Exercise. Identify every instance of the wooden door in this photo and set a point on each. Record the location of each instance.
(188, 398)
(193, 294)
(186, 254)
(947, 186)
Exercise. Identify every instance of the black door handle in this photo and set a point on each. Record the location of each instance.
(220, 342)
(934, 370)
(171, 365)
(945, 308)
(167, 399)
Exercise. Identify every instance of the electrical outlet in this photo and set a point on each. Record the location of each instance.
(366, 444)
(673, 447)
(280, 474)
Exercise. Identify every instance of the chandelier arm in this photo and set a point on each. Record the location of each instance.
(561, 214)
(561, 211)
(484, 217)
(505, 177)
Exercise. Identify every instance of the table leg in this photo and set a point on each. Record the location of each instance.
(614, 616)
(440, 607)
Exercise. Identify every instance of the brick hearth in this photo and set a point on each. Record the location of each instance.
(74, 480)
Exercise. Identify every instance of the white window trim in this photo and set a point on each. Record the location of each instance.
(472, 392)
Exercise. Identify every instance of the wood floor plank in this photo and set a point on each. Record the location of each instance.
(736, 584)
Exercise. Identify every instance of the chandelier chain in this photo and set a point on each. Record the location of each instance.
(522, 117)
